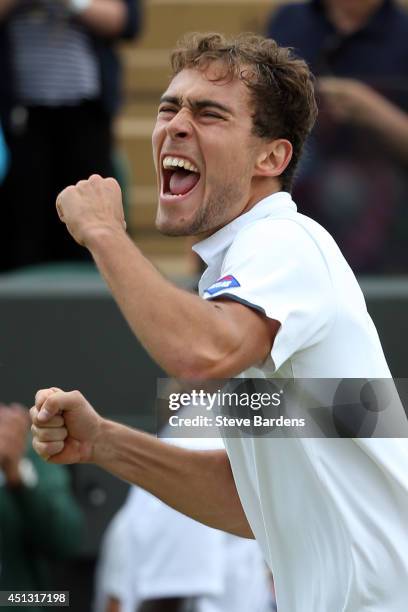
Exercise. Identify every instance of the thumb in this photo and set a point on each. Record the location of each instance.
(44, 394)
(59, 402)
(50, 405)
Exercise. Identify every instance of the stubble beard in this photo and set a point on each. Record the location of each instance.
(210, 216)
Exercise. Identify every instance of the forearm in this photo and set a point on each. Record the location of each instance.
(199, 484)
(392, 124)
(184, 334)
(105, 17)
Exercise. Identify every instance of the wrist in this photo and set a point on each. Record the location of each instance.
(94, 237)
(101, 446)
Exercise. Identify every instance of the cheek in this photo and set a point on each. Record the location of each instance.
(228, 159)
(156, 138)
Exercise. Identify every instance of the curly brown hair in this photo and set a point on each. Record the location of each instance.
(281, 85)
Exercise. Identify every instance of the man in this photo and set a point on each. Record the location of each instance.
(354, 177)
(280, 301)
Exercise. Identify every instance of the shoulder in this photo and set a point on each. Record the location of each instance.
(297, 232)
(296, 245)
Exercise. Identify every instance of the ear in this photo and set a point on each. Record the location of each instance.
(273, 158)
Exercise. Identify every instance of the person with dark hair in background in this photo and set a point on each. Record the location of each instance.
(354, 176)
(59, 90)
(40, 521)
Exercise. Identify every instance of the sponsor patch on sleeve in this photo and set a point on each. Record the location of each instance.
(226, 282)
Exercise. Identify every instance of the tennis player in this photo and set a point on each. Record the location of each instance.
(279, 301)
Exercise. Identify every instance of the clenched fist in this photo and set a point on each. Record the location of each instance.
(65, 426)
(91, 207)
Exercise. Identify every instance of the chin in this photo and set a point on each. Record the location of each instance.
(168, 228)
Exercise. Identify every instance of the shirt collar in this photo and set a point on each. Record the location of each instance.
(210, 247)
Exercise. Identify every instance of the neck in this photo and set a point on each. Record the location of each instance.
(261, 188)
(349, 16)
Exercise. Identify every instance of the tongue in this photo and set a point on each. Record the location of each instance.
(182, 182)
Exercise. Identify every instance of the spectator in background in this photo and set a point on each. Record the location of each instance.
(354, 177)
(155, 559)
(59, 89)
(40, 521)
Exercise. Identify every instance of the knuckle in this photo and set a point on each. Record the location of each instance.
(112, 182)
(36, 422)
(52, 401)
(47, 449)
(77, 396)
(54, 447)
(38, 395)
(68, 191)
(95, 178)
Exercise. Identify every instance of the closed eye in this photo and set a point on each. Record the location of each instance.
(213, 115)
(167, 109)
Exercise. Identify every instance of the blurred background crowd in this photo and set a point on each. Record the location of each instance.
(79, 86)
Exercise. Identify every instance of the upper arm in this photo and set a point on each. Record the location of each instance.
(250, 333)
(277, 295)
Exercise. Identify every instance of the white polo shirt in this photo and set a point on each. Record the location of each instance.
(331, 515)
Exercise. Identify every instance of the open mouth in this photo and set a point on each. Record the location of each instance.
(180, 176)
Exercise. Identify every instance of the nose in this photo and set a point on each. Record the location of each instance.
(180, 126)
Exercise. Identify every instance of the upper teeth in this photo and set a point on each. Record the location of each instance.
(179, 162)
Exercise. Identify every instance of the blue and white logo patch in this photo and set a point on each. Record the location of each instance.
(226, 282)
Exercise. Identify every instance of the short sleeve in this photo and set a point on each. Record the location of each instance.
(276, 267)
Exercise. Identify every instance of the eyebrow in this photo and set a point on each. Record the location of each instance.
(196, 104)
